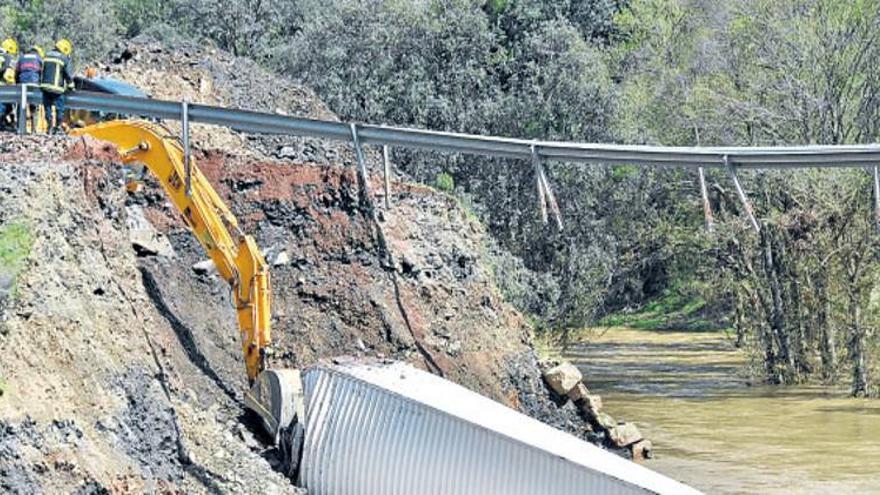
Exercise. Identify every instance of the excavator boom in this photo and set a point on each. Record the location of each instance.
(236, 255)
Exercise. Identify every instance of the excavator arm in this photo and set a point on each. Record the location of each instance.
(236, 255)
(276, 395)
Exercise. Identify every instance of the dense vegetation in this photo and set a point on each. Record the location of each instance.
(801, 295)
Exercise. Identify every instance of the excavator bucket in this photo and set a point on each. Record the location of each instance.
(277, 398)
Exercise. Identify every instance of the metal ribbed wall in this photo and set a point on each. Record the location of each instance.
(374, 438)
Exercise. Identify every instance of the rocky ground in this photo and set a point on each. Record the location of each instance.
(120, 366)
(121, 361)
(98, 393)
(425, 296)
(200, 74)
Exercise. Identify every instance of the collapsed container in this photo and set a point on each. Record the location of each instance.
(389, 428)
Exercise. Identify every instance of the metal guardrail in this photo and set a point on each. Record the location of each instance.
(730, 159)
(664, 156)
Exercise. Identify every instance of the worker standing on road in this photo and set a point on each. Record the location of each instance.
(8, 51)
(56, 80)
(29, 71)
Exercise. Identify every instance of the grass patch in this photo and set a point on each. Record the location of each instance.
(671, 311)
(15, 246)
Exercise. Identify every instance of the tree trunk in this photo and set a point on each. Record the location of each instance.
(739, 321)
(860, 368)
(827, 349)
(778, 327)
(798, 325)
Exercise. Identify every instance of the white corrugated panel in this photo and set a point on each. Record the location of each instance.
(392, 429)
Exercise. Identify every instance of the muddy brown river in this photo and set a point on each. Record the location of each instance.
(686, 392)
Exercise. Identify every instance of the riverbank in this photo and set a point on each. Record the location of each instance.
(686, 391)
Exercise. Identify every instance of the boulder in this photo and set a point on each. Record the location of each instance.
(578, 393)
(591, 405)
(282, 259)
(563, 378)
(7, 282)
(286, 152)
(145, 239)
(204, 267)
(624, 434)
(605, 421)
(642, 450)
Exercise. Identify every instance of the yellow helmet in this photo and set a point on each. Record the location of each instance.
(39, 50)
(10, 46)
(64, 46)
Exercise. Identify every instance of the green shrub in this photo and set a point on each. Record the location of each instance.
(444, 182)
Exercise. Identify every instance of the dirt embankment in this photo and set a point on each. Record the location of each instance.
(334, 293)
(98, 393)
(120, 364)
(122, 367)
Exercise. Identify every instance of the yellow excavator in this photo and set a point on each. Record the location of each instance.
(272, 394)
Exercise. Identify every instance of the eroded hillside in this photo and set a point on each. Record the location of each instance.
(99, 393)
(119, 354)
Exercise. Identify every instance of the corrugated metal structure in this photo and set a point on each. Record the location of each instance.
(392, 429)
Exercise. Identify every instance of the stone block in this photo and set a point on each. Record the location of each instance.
(204, 267)
(145, 239)
(642, 450)
(578, 393)
(591, 405)
(563, 378)
(605, 421)
(624, 434)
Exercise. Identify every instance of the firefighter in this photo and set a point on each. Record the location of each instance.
(56, 81)
(29, 71)
(8, 51)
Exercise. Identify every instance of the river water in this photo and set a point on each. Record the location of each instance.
(686, 392)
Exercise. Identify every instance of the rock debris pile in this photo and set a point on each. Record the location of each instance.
(567, 383)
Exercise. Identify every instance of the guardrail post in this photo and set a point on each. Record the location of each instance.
(544, 191)
(22, 111)
(386, 165)
(742, 194)
(187, 166)
(542, 199)
(362, 164)
(707, 207)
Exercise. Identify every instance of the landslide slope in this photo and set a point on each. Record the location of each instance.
(121, 364)
(98, 392)
(119, 355)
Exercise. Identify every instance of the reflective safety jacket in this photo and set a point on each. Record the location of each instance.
(57, 73)
(7, 68)
(30, 69)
